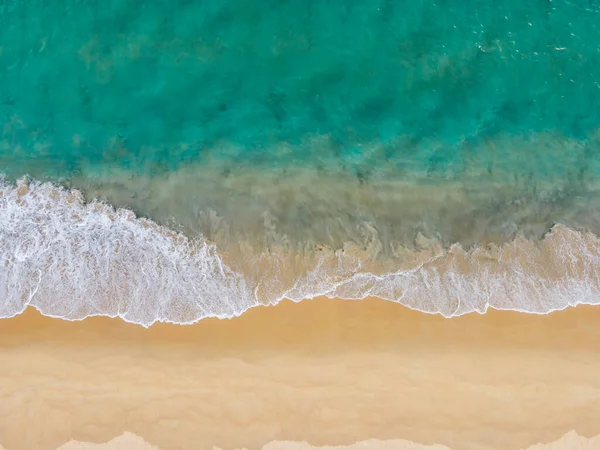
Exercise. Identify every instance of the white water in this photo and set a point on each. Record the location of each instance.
(73, 260)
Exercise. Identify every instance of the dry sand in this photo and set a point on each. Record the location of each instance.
(327, 372)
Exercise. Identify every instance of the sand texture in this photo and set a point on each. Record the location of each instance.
(320, 373)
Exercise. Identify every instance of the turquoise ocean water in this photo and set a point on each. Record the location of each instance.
(420, 151)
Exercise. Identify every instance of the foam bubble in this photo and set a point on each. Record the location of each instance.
(72, 259)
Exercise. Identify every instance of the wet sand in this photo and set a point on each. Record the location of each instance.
(327, 372)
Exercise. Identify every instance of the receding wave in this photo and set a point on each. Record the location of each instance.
(73, 259)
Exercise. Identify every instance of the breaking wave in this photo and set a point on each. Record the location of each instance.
(74, 259)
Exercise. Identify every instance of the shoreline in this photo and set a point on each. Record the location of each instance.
(324, 371)
(74, 259)
(489, 309)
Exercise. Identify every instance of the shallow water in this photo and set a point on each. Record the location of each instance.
(301, 148)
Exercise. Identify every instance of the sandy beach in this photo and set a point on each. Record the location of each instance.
(325, 372)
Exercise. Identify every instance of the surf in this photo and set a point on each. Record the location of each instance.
(72, 259)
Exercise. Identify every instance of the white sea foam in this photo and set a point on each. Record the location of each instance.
(72, 259)
(561, 271)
